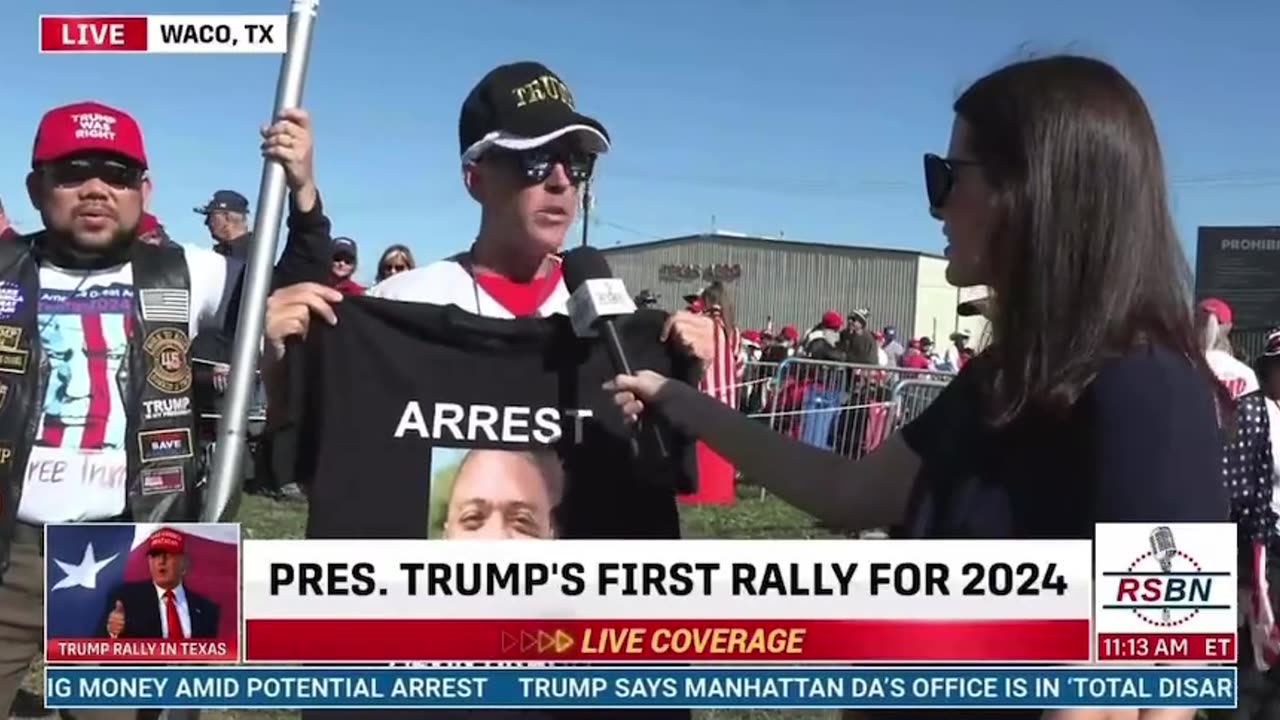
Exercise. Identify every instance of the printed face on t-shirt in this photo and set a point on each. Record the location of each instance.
(85, 337)
(502, 495)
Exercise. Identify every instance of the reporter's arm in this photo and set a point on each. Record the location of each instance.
(848, 494)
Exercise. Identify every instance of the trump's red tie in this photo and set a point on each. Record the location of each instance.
(171, 617)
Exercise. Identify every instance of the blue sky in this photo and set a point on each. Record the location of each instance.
(804, 118)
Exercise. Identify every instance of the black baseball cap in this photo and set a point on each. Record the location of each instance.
(228, 200)
(523, 106)
(344, 246)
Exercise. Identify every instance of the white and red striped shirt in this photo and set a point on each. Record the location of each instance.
(722, 375)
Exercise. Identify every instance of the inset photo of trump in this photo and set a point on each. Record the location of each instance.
(131, 593)
(483, 494)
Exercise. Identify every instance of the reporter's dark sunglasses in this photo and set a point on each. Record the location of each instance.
(940, 177)
(536, 164)
(70, 173)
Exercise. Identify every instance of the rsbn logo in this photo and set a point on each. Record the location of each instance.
(1165, 586)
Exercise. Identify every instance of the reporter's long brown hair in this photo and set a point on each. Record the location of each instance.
(1086, 260)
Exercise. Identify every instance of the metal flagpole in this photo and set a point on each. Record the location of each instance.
(228, 463)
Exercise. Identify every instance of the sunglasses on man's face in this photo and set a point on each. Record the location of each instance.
(536, 164)
(72, 173)
(940, 177)
(344, 259)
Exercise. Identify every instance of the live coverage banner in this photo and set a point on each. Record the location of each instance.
(781, 601)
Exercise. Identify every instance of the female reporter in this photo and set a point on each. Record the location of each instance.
(1094, 402)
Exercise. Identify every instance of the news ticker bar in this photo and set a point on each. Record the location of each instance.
(639, 688)
(189, 34)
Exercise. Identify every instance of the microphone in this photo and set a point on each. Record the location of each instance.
(1163, 547)
(597, 297)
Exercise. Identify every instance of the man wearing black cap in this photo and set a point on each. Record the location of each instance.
(227, 217)
(525, 151)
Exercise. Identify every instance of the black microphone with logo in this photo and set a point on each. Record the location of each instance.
(597, 298)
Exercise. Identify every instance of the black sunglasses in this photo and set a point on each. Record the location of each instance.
(345, 258)
(536, 164)
(940, 177)
(69, 173)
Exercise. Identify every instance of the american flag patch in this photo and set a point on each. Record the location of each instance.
(165, 305)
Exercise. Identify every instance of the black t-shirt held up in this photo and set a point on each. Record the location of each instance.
(394, 381)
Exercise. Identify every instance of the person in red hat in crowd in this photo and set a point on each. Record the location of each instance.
(345, 259)
(151, 232)
(752, 344)
(7, 231)
(914, 358)
(1214, 322)
(789, 337)
(161, 608)
(827, 330)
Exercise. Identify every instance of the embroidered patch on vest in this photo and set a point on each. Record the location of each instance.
(165, 305)
(162, 480)
(11, 299)
(155, 445)
(169, 372)
(13, 359)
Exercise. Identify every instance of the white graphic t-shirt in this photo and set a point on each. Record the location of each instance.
(78, 465)
(1238, 377)
(447, 282)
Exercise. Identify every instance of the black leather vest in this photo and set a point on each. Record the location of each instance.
(155, 379)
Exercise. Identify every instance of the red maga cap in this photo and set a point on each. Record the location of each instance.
(147, 224)
(166, 540)
(87, 127)
(1218, 309)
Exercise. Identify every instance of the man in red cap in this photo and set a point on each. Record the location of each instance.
(96, 419)
(161, 607)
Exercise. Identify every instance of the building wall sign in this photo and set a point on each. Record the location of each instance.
(717, 271)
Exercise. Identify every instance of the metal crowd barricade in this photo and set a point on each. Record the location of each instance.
(843, 407)
(754, 387)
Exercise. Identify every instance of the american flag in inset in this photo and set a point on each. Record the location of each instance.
(165, 305)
